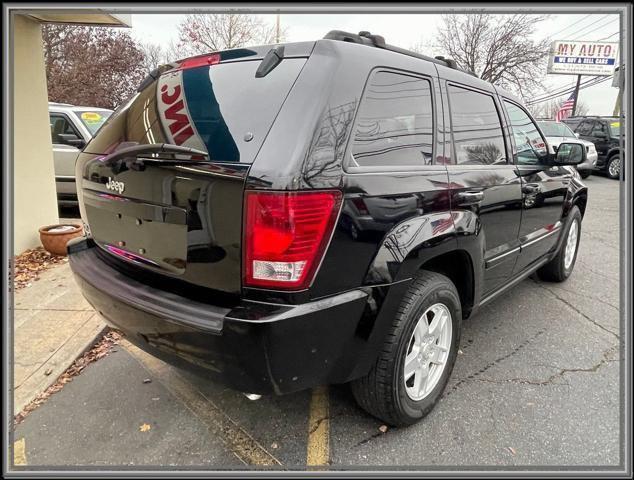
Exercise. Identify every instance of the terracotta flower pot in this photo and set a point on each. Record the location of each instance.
(55, 237)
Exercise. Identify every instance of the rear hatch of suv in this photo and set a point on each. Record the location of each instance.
(181, 215)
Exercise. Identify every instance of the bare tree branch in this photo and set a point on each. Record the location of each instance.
(154, 55)
(204, 33)
(497, 48)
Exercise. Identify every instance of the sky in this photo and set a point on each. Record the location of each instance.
(408, 30)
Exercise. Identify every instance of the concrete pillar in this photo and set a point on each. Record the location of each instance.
(34, 195)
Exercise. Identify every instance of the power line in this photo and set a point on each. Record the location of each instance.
(595, 29)
(589, 25)
(560, 91)
(571, 25)
(586, 85)
(567, 90)
(609, 36)
(570, 90)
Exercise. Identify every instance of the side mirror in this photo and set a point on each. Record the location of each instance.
(570, 154)
(72, 140)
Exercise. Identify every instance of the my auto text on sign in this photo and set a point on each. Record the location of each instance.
(582, 58)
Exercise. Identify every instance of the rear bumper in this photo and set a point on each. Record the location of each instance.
(253, 347)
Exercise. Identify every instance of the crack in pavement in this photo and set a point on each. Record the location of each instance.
(318, 422)
(562, 371)
(493, 363)
(566, 302)
(588, 267)
(592, 298)
(369, 439)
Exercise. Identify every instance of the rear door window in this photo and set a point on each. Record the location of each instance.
(222, 109)
(394, 124)
(476, 128)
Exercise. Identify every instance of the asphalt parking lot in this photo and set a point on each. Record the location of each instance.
(536, 384)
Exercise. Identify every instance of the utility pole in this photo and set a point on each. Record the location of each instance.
(277, 28)
(574, 104)
(616, 82)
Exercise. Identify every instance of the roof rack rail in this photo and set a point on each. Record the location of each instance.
(366, 38)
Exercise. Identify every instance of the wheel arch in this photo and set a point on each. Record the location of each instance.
(613, 151)
(457, 265)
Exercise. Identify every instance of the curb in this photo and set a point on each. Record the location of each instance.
(36, 385)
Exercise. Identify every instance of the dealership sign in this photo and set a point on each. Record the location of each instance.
(582, 58)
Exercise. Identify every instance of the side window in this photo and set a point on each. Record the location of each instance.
(529, 145)
(395, 122)
(476, 128)
(585, 127)
(599, 130)
(60, 125)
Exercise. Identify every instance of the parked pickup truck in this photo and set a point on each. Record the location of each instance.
(71, 129)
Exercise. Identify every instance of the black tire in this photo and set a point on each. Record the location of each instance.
(555, 270)
(613, 173)
(382, 391)
(584, 173)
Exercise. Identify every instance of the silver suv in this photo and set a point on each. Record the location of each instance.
(71, 129)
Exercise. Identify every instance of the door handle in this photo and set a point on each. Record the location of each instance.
(531, 188)
(469, 198)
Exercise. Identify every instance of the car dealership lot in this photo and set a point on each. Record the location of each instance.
(536, 383)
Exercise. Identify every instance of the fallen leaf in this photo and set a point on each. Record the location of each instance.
(511, 449)
(28, 265)
(48, 371)
(383, 428)
(147, 380)
(145, 427)
(274, 445)
(460, 352)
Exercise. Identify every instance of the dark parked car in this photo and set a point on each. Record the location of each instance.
(219, 203)
(605, 133)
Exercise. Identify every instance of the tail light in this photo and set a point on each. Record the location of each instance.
(285, 236)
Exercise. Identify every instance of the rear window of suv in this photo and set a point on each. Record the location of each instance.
(222, 109)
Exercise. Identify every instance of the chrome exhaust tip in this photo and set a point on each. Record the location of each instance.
(252, 396)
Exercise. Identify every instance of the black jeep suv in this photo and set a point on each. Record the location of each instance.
(280, 217)
(605, 133)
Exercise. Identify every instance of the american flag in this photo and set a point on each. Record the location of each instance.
(566, 108)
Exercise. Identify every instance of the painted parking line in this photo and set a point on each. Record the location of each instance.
(243, 445)
(19, 452)
(318, 447)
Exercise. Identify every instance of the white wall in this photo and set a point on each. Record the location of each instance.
(34, 195)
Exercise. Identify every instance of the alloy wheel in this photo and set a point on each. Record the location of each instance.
(427, 352)
(571, 244)
(614, 169)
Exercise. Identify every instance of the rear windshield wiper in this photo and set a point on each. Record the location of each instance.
(150, 148)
